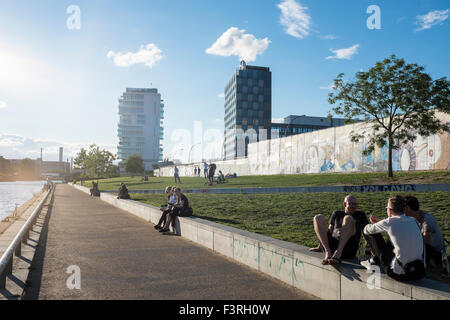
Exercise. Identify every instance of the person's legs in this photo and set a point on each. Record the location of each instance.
(383, 251)
(321, 229)
(169, 218)
(162, 220)
(348, 230)
(432, 256)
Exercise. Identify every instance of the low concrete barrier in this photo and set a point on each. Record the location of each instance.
(347, 189)
(289, 262)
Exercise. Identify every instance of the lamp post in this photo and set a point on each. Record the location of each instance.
(189, 160)
(175, 152)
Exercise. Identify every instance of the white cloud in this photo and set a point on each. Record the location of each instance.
(13, 146)
(235, 42)
(330, 87)
(148, 55)
(294, 18)
(329, 37)
(346, 53)
(431, 19)
(3, 105)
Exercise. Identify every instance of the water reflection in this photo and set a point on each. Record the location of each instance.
(16, 193)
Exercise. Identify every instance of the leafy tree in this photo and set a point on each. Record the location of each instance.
(94, 162)
(134, 164)
(399, 99)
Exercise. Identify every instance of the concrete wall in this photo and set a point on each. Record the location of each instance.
(288, 262)
(330, 150)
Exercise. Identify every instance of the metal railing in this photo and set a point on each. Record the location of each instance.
(6, 261)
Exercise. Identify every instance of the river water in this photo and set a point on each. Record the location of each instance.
(16, 193)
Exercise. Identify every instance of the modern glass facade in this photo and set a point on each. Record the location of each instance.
(248, 109)
(140, 127)
(294, 124)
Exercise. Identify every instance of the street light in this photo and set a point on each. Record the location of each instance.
(189, 160)
(175, 152)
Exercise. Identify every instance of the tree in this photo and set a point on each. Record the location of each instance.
(134, 164)
(95, 163)
(399, 99)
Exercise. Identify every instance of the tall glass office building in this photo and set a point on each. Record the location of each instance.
(248, 109)
(140, 130)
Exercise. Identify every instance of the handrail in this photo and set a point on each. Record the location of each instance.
(15, 246)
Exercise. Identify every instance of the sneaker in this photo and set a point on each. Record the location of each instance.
(368, 263)
(157, 227)
(163, 230)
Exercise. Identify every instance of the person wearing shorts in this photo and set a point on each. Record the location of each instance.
(339, 239)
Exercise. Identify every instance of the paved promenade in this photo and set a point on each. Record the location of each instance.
(123, 257)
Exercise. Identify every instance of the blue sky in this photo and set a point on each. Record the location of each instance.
(58, 87)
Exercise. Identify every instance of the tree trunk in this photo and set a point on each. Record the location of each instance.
(390, 174)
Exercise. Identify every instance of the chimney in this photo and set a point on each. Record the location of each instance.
(61, 154)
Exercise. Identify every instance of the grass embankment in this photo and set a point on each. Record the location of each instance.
(323, 179)
(289, 217)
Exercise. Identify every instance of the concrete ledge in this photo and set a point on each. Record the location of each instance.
(289, 262)
(346, 189)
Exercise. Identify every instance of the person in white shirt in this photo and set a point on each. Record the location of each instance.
(405, 244)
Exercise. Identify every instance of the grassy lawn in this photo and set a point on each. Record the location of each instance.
(324, 179)
(288, 217)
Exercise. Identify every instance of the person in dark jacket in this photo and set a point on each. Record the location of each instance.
(123, 192)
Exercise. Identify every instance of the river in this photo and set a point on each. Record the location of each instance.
(16, 193)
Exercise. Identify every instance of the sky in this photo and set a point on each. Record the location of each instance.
(64, 64)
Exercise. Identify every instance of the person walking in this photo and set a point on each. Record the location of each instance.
(176, 175)
(205, 170)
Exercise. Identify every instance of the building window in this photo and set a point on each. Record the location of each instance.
(250, 97)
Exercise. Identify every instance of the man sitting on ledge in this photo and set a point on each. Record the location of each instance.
(402, 256)
(123, 192)
(435, 251)
(340, 238)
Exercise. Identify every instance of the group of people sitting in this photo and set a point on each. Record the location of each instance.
(95, 192)
(414, 238)
(177, 206)
(123, 192)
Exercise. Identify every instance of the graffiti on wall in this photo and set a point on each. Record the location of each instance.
(330, 150)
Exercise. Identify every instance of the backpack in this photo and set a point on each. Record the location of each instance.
(414, 270)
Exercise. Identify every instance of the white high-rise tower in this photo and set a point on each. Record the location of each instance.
(140, 130)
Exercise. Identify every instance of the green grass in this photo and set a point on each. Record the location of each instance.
(411, 177)
(289, 217)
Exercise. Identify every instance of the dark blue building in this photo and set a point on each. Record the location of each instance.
(248, 109)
